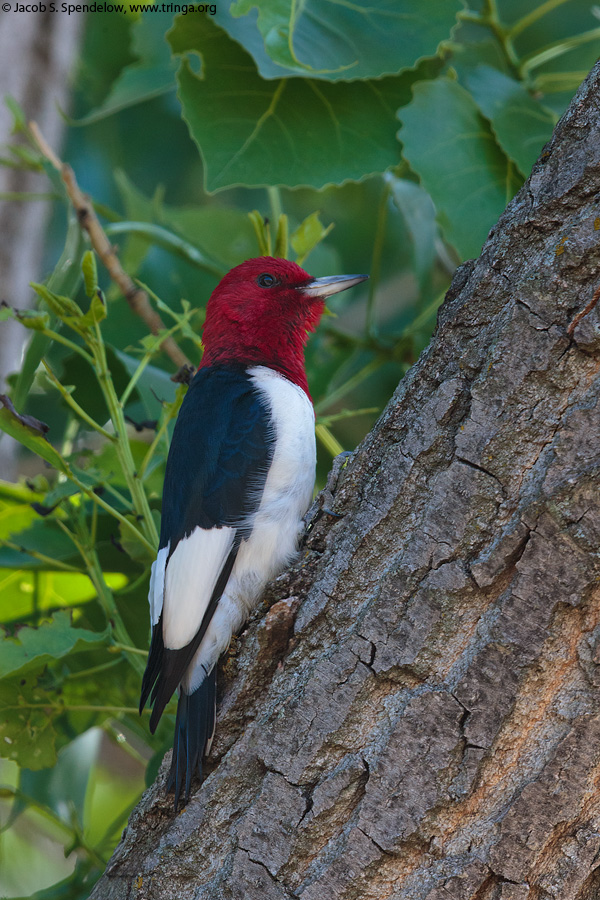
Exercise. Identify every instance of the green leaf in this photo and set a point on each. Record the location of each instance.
(134, 548)
(29, 432)
(24, 595)
(251, 132)
(27, 735)
(29, 318)
(68, 778)
(339, 41)
(262, 232)
(152, 74)
(138, 208)
(42, 545)
(97, 311)
(90, 273)
(154, 387)
(21, 493)
(474, 45)
(281, 247)
(214, 233)
(35, 647)
(33, 320)
(151, 342)
(106, 462)
(65, 279)
(558, 46)
(451, 147)
(87, 393)
(418, 212)
(551, 47)
(307, 235)
(16, 516)
(19, 117)
(63, 307)
(521, 124)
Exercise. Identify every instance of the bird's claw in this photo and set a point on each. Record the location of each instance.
(324, 501)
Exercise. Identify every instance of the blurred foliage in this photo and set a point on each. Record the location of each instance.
(386, 138)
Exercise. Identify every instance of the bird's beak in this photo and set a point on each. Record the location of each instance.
(332, 284)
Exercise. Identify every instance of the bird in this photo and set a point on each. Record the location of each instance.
(239, 478)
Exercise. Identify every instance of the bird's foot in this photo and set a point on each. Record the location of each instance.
(324, 501)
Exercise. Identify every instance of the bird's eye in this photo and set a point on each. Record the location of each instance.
(266, 280)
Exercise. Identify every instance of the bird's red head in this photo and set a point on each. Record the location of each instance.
(261, 312)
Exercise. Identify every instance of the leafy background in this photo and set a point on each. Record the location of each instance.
(390, 136)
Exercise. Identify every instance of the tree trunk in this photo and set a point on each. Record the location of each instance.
(36, 54)
(431, 729)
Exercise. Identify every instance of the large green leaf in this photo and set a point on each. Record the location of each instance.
(219, 233)
(290, 132)
(451, 147)
(16, 515)
(86, 698)
(70, 777)
(138, 208)
(27, 594)
(35, 647)
(225, 234)
(474, 45)
(43, 536)
(35, 721)
(418, 212)
(336, 41)
(27, 734)
(150, 76)
(521, 124)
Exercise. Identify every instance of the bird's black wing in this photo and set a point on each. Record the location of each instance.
(217, 466)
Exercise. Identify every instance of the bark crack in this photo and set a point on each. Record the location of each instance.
(374, 842)
(287, 893)
(480, 468)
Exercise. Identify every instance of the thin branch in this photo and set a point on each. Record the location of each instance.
(79, 707)
(41, 557)
(135, 296)
(349, 385)
(125, 648)
(532, 17)
(329, 440)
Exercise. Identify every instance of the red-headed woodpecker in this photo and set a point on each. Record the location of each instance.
(239, 478)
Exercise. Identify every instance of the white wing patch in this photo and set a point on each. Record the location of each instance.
(157, 584)
(190, 578)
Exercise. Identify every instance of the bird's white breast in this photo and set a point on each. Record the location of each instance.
(289, 485)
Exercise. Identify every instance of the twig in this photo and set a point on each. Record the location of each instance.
(135, 296)
(581, 315)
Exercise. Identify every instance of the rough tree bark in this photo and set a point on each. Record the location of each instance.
(431, 730)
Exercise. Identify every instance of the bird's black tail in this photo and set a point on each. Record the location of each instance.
(194, 729)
